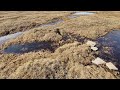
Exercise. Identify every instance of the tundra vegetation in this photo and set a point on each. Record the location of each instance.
(57, 51)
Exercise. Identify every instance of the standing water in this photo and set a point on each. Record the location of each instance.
(54, 22)
(30, 47)
(110, 47)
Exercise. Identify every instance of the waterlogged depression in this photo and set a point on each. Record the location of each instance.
(29, 47)
(110, 47)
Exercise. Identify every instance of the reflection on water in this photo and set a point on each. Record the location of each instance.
(110, 47)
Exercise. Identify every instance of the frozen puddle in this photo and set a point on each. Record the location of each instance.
(110, 47)
(30, 47)
(78, 13)
(83, 13)
(4, 39)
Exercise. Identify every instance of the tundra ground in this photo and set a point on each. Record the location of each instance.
(63, 54)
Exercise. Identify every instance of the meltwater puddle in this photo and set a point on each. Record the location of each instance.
(6, 38)
(30, 47)
(110, 47)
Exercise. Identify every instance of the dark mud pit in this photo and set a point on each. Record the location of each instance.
(109, 47)
(30, 47)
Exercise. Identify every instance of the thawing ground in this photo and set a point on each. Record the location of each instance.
(52, 44)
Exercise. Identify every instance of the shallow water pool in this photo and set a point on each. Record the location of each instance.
(30, 47)
(109, 46)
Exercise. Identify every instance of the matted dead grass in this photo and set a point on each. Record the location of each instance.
(11, 22)
(92, 26)
(71, 58)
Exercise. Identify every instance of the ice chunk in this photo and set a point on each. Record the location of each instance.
(3, 39)
(83, 13)
(98, 61)
(111, 66)
(94, 48)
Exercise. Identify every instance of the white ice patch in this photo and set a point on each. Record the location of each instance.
(111, 66)
(83, 13)
(98, 61)
(3, 39)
